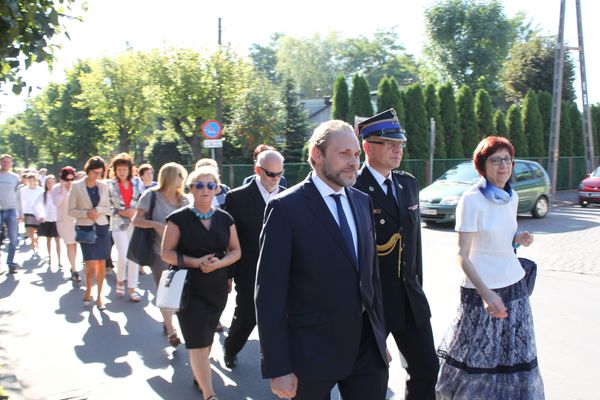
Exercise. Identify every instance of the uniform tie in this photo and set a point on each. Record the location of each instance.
(390, 190)
(346, 232)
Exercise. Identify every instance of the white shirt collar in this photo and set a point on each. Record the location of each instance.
(324, 189)
(265, 194)
(378, 177)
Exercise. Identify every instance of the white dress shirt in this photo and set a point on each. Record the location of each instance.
(265, 195)
(326, 191)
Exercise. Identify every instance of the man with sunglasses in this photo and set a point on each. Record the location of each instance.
(395, 196)
(246, 205)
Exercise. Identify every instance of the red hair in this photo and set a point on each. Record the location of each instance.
(488, 146)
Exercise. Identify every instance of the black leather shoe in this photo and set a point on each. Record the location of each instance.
(230, 361)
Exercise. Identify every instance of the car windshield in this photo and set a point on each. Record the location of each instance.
(596, 173)
(462, 173)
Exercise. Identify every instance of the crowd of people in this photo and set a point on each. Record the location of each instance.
(326, 269)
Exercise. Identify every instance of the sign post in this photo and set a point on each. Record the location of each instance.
(212, 130)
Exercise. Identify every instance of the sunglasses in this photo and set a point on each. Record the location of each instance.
(271, 174)
(69, 179)
(208, 185)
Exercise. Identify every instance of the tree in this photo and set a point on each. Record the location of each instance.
(544, 100)
(360, 98)
(398, 104)
(530, 66)
(449, 117)
(264, 58)
(186, 85)
(595, 113)
(417, 126)
(500, 128)
(484, 113)
(119, 96)
(376, 58)
(256, 118)
(385, 97)
(312, 62)
(467, 122)
(532, 125)
(83, 134)
(341, 101)
(166, 148)
(295, 126)
(432, 108)
(469, 40)
(576, 128)
(514, 125)
(27, 28)
(16, 139)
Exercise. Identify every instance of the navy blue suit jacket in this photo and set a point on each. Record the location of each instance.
(309, 294)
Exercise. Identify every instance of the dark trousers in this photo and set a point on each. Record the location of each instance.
(243, 322)
(368, 379)
(416, 346)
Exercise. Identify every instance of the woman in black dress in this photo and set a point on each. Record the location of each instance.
(208, 241)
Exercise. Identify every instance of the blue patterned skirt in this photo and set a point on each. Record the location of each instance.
(490, 358)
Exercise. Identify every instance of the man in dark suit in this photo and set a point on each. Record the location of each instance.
(318, 296)
(395, 196)
(246, 205)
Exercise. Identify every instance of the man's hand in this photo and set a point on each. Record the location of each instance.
(285, 386)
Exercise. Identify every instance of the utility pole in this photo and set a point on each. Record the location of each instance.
(557, 84)
(588, 141)
(218, 103)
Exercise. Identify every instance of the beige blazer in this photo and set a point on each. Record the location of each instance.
(80, 203)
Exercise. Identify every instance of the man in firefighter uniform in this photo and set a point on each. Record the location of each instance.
(395, 196)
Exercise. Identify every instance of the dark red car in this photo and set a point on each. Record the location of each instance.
(589, 189)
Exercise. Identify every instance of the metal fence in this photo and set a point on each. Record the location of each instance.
(571, 170)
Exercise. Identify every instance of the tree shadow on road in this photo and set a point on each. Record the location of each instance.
(561, 220)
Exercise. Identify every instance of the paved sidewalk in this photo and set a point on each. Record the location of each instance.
(52, 348)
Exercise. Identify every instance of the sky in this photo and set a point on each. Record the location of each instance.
(110, 26)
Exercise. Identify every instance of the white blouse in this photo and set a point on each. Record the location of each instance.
(494, 226)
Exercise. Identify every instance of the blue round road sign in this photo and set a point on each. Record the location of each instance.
(211, 129)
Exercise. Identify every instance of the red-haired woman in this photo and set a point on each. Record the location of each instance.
(489, 351)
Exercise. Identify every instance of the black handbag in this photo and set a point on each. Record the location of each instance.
(87, 236)
(140, 248)
(530, 268)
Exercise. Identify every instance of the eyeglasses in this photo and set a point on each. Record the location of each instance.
(496, 161)
(69, 179)
(208, 185)
(272, 174)
(391, 145)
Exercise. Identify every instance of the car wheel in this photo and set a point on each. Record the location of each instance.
(583, 203)
(540, 208)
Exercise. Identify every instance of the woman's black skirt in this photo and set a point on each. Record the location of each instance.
(48, 229)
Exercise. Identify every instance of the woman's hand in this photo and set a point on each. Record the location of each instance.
(524, 238)
(494, 305)
(92, 214)
(210, 263)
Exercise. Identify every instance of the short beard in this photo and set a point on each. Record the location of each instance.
(336, 177)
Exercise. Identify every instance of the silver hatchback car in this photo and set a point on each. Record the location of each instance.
(529, 179)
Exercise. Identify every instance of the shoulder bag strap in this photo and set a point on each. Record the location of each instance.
(152, 203)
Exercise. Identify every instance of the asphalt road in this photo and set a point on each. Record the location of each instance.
(52, 347)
